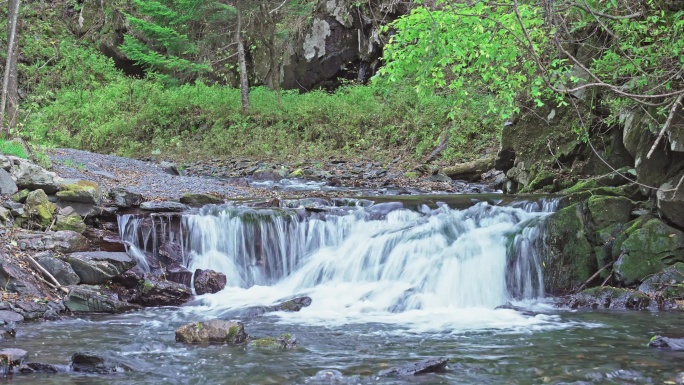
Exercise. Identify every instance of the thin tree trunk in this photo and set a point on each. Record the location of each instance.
(244, 82)
(10, 64)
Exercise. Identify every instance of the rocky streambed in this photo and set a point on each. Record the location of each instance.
(64, 261)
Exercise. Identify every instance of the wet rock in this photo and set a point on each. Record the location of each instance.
(292, 305)
(179, 274)
(39, 210)
(7, 185)
(519, 309)
(82, 191)
(32, 177)
(669, 282)
(213, 331)
(328, 376)
(648, 250)
(59, 269)
(131, 278)
(69, 219)
(10, 359)
(92, 363)
(284, 342)
(166, 206)
(666, 343)
(607, 210)
(124, 198)
(154, 292)
(10, 316)
(97, 267)
(209, 281)
(569, 260)
(610, 298)
(31, 310)
(431, 365)
(85, 300)
(170, 253)
(38, 367)
(200, 199)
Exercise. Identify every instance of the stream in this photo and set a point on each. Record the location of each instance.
(392, 282)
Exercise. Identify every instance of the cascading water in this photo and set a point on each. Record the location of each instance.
(362, 264)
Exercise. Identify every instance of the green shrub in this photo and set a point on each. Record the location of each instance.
(12, 147)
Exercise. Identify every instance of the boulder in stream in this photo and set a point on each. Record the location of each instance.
(430, 365)
(213, 331)
(610, 298)
(82, 299)
(291, 305)
(284, 342)
(39, 367)
(209, 281)
(666, 343)
(155, 292)
(92, 363)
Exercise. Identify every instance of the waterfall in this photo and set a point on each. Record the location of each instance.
(386, 256)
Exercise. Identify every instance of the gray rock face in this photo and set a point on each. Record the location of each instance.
(34, 177)
(610, 298)
(15, 279)
(59, 269)
(209, 281)
(7, 185)
(124, 198)
(98, 267)
(84, 300)
(670, 202)
(214, 331)
(8, 316)
(167, 206)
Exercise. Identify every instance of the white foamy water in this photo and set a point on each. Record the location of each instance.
(427, 270)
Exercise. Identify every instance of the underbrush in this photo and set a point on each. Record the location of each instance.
(101, 110)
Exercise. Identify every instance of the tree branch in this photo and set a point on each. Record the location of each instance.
(666, 125)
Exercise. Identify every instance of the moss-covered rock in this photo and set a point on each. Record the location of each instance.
(213, 331)
(20, 196)
(610, 298)
(669, 282)
(284, 342)
(569, 260)
(68, 219)
(80, 191)
(648, 250)
(607, 210)
(200, 199)
(39, 209)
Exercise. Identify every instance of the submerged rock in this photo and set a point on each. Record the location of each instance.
(666, 343)
(431, 365)
(92, 363)
(98, 267)
(284, 342)
(209, 281)
(610, 298)
(39, 367)
(214, 331)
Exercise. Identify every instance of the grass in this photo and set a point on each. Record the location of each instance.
(12, 148)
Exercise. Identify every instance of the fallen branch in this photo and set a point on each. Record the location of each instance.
(594, 276)
(666, 125)
(47, 274)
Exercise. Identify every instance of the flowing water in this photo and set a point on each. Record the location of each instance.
(390, 283)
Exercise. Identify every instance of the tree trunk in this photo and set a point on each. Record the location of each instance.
(244, 82)
(9, 98)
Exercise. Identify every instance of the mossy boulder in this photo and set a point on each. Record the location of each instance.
(39, 209)
(284, 342)
(569, 260)
(80, 191)
(68, 219)
(608, 210)
(669, 282)
(648, 250)
(200, 199)
(214, 331)
(610, 298)
(20, 196)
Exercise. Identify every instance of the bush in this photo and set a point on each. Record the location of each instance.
(12, 147)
